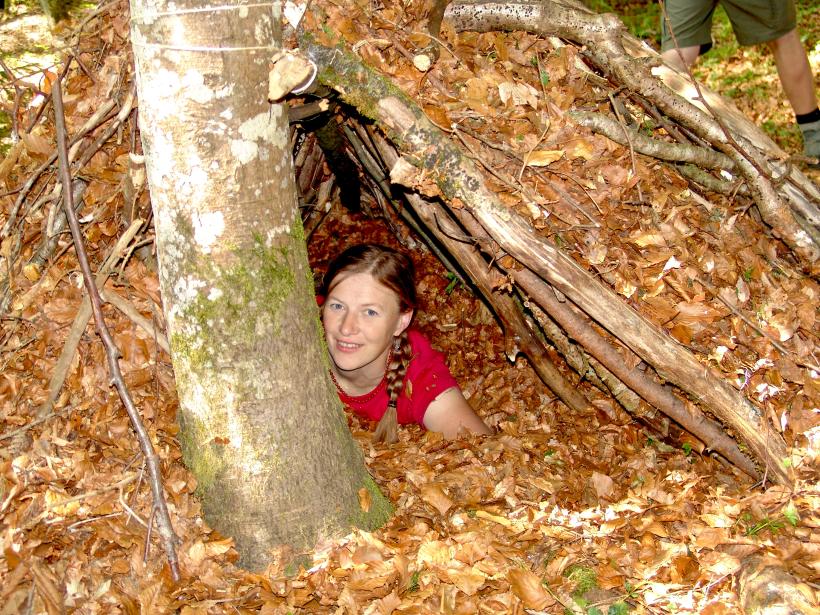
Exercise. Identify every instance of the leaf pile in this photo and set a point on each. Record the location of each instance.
(587, 512)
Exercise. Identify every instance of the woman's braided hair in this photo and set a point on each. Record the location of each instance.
(395, 271)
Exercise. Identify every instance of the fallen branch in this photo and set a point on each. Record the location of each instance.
(166, 531)
(518, 336)
(689, 417)
(101, 115)
(643, 144)
(438, 223)
(518, 331)
(138, 319)
(60, 371)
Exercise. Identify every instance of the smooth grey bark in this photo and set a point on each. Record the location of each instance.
(261, 426)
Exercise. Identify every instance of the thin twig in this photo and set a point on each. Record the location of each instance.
(75, 498)
(167, 535)
(35, 422)
(776, 343)
(628, 136)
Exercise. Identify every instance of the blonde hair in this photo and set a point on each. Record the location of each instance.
(394, 270)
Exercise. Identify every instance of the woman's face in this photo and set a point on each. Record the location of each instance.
(361, 317)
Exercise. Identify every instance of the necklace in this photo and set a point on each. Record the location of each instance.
(361, 399)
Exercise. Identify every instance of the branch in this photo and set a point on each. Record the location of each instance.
(166, 531)
(690, 418)
(671, 152)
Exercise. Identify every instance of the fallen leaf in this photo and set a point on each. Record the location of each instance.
(719, 564)
(526, 585)
(434, 495)
(365, 499)
(543, 158)
(519, 93)
(603, 484)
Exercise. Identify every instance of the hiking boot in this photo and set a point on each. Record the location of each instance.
(811, 142)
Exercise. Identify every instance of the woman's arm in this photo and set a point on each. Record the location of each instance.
(449, 414)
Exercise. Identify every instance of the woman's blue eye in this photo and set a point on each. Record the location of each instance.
(334, 306)
(372, 313)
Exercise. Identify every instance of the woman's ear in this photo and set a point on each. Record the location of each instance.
(404, 321)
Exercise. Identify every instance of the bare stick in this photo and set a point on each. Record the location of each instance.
(61, 369)
(166, 531)
(138, 319)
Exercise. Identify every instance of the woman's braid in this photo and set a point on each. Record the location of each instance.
(387, 429)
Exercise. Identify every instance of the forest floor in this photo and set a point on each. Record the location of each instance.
(557, 512)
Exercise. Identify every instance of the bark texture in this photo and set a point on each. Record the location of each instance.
(261, 426)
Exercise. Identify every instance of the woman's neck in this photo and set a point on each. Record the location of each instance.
(364, 379)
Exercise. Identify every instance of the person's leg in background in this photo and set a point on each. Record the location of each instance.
(774, 22)
(798, 83)
(690, 22)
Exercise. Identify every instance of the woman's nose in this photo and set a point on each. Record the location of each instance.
(348, 324)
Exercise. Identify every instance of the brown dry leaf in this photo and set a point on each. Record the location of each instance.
(435, 553)
(437, 115)
(696, 312)
(526, 585)
(644, 239)
(365, 499)
(603, 484)
(580, 148)
(389, 603)
(518, 93)
(153, 599)
(543, 158)
(434, 495)
(475, 95)
(717, 607)
(719, 564)
(36, 145)
(7, 163)
(53, 501)
(48, 587)
(468, 579)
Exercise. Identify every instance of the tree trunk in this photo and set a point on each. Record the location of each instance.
(261, 426)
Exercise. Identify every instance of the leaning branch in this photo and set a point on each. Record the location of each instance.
(518, 335)
(663, 150)
(160, 507)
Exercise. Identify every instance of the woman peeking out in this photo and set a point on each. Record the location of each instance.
(384, 370)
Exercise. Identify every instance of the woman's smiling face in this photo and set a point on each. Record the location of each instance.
(361, 318)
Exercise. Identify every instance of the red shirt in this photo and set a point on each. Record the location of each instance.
(427, 377)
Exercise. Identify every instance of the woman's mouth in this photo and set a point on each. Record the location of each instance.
(347, 346)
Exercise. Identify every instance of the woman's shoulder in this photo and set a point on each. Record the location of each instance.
(418, 341)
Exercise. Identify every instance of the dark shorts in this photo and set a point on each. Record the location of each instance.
(753, 21)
